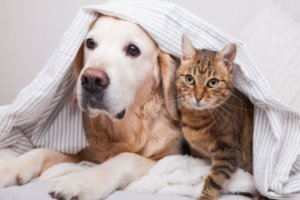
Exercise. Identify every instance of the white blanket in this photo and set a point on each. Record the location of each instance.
(172, 175)
(183, 175)
(41, 115)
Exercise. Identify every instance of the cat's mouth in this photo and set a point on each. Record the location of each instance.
(202, 105)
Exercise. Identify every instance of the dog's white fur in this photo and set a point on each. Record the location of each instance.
(128, 77)
(99, 181)
(180, 175)
(128, 86)
(125, 73)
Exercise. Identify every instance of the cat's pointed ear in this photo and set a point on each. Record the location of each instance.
(188, 51)
(228, 54)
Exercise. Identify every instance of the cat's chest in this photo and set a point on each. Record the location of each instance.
(199, 141)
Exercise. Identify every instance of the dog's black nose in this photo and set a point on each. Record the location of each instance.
(94, 79)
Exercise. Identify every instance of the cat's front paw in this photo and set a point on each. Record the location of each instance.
(82, 186)
(258, 196)
(59, 171)
(203, 197)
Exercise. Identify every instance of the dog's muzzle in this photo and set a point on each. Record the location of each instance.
(93, 84)
(93, 80)
(120, 115)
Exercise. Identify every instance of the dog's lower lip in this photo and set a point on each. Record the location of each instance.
(121, 114)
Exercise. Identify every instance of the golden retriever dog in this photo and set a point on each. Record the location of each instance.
(122, 91)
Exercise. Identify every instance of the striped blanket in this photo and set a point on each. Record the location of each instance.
(42, 116)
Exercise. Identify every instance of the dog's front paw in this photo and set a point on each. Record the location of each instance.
(8, 175)
(81, 186)
(15, 173)
(57, 172)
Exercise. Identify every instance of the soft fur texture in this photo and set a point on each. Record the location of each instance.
(125, 117)
(276, 174)
(185, 176)
(180, 175)
(216, 119)
(146, 127)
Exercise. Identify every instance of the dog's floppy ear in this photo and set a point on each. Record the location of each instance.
(169, 64)
(77, 66)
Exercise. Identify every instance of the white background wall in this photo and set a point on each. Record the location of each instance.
(31, 29)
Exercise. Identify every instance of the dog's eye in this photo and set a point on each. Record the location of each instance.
(133, 50)
(90, 43)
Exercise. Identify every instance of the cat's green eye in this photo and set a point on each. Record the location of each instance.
(189, 79)
(212, 83)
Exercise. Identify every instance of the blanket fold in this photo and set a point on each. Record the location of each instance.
(41, 115)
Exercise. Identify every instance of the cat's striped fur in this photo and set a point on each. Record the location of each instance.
(216, 119)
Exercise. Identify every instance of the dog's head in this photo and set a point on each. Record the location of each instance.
(117, 64)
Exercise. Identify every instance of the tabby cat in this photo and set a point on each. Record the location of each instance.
(216, 118)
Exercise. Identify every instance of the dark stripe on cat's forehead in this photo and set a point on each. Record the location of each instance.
(207, 53)
(204, 59)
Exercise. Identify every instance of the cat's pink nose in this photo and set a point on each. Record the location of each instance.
(198, 99)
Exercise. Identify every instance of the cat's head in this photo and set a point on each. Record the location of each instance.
(204, 79)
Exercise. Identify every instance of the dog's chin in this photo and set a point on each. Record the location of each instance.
(97, 108)
(95, 112)
(120, 115)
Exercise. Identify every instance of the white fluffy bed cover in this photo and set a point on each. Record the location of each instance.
(41, 115)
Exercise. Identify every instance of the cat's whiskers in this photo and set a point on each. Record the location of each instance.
(219, 117)
(236, 97)
(233, 107)
(224, 121)
(229, 113)
(212, 112)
